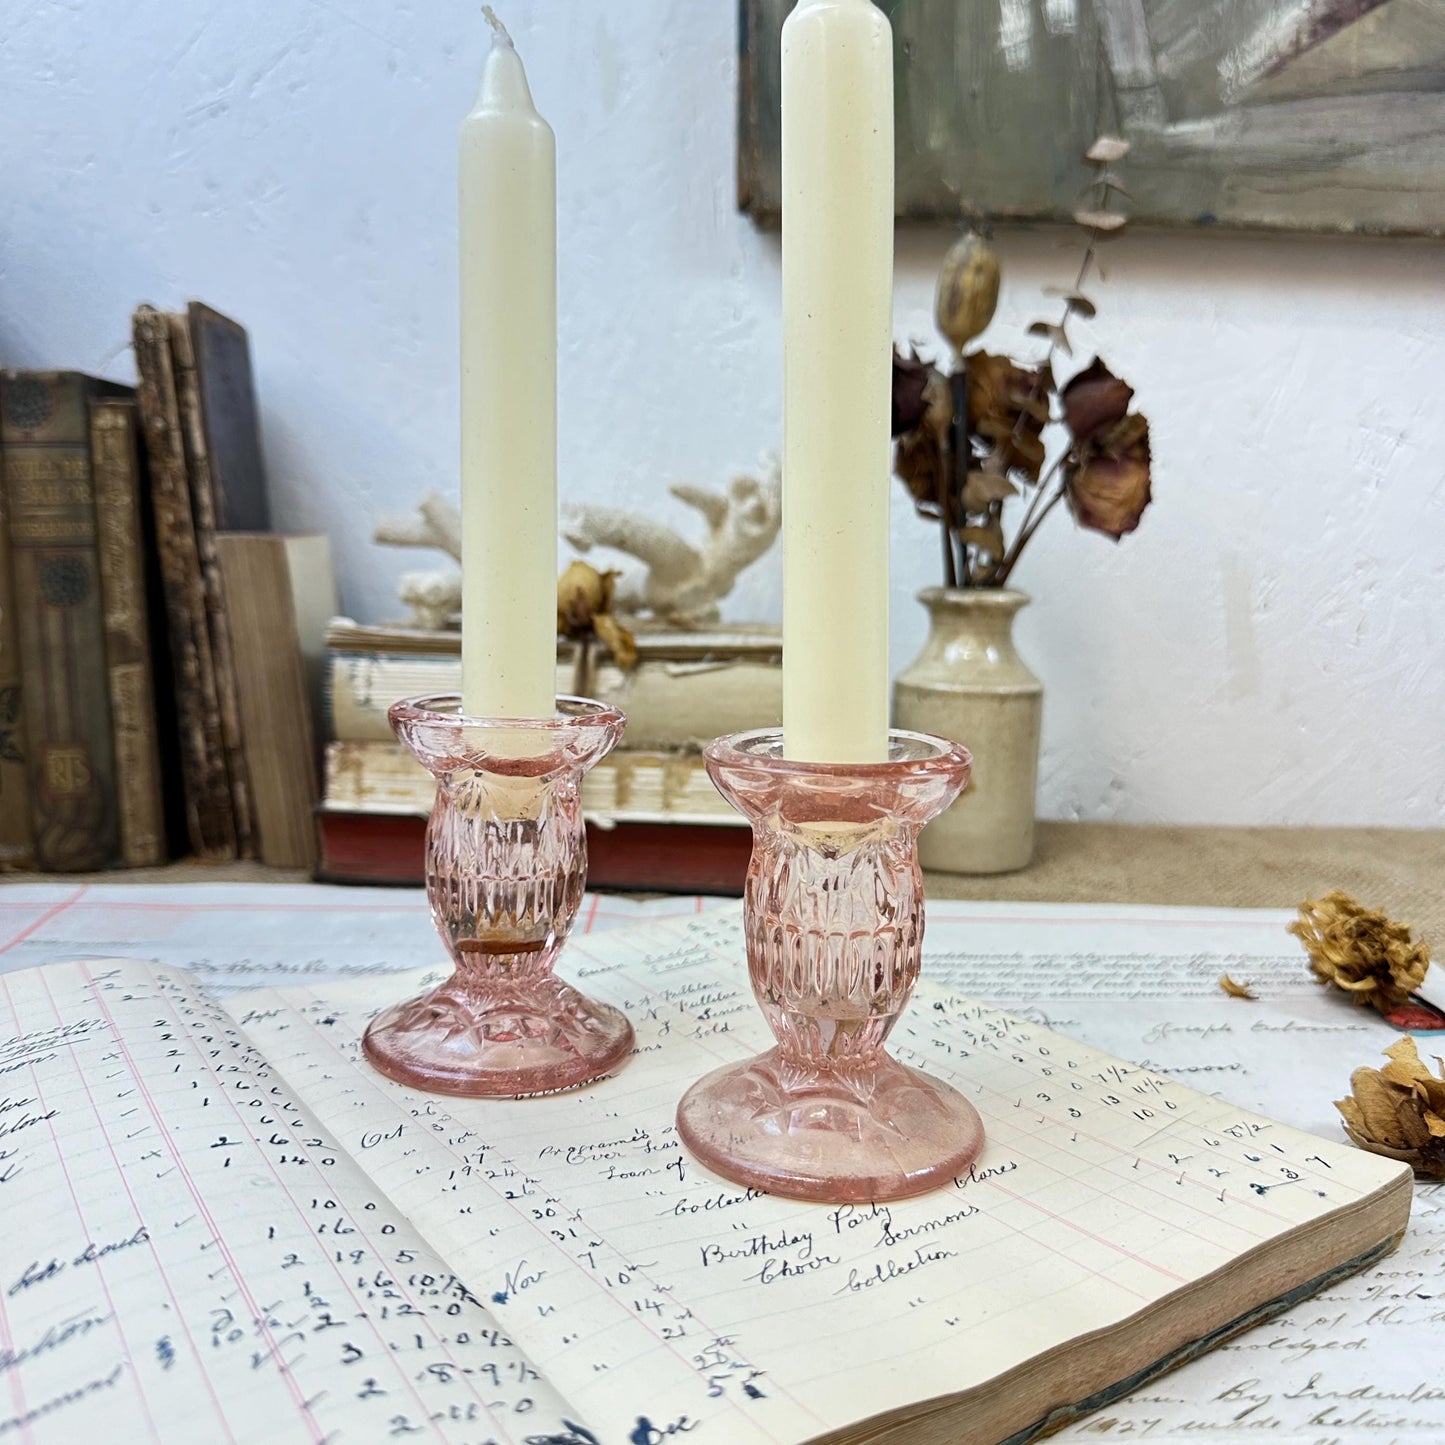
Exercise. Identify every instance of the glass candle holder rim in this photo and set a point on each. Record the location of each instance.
(429, 709)
(737, 750)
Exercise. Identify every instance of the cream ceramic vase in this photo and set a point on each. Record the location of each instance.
(970, 685)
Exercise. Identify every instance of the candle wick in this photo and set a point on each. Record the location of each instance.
(499, 31)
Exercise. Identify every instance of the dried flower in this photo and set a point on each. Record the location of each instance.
(584, 611)
(910, 382)
(1108, 485)
(970, 436)
(921, 456)
(1007, 408)
(967, 290)
(1235, 990)
(1399, 1111)
(1094, 399)
(1361, 951)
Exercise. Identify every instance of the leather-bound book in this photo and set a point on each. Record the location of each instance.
(230, 420)
(16, 850)
(123, 552)
(210, 814)
(209, 509)
(45, 431)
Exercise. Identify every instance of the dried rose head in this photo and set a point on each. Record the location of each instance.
(1399, 1111)
(910, 381)
(1108, 482)
(582, 592)
(921, 456)
(1361, 951)
(1094, 399)
(1008, 407)
(584, 611)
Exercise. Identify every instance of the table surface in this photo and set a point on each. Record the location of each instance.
(1399, 871)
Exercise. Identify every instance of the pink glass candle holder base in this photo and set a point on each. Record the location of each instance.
(833, 917)
(506, 864)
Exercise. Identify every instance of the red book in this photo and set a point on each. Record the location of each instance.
(645, 857)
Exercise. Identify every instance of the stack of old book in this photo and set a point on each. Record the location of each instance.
(154, 695)
(654, 819)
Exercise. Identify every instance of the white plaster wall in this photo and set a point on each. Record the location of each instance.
(1269, 647)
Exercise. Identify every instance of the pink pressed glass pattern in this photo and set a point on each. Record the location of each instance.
(506, 864)
(833, 917)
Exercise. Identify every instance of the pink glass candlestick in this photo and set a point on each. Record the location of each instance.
(833, 915)
(506, 863)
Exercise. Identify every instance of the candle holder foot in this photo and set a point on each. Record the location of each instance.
(838, 1136)
(506, 865)
(833, 917)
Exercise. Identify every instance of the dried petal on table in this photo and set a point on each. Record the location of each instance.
(1399, 1111)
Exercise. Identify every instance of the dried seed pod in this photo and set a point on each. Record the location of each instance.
(967, 289)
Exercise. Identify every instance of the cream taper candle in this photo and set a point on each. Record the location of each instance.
(837, 87)
(507, 221)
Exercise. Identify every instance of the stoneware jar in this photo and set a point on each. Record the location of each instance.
(970, 685)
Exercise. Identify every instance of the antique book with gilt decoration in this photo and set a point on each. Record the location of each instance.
(59, 619)
(295, 1248)
(16, 851)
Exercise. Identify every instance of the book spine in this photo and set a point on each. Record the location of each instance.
(139, 790)
(204, 512)
(275, 714)
(210, 818)
(16, 849)
(58, 616)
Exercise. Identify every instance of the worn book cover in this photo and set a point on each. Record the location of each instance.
(130, 655)
(15, 846)
(230, 420)
(279, 594)
(45, 431)
(210, 816)
(207, 510)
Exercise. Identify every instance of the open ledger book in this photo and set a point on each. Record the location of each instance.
(218, 1225)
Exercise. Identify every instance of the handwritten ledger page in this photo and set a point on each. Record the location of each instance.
(583, 1170)
(605, 1251)
(191, 1257)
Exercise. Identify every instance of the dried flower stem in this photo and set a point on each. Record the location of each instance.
(1025, 531)
(959, 456)
(582, 668)
(1021, 537)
